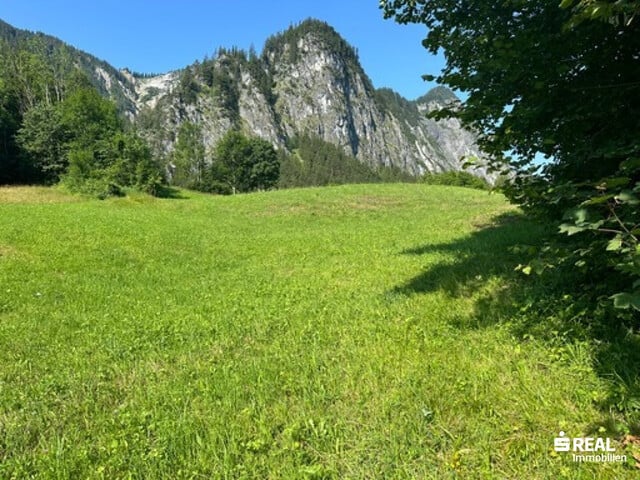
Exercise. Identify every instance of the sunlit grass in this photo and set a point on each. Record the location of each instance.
(30, 195)
(318, 333)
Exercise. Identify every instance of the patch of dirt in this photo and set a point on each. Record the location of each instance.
(7, 251)
(373, 202)
(324, 207)
(34, 195)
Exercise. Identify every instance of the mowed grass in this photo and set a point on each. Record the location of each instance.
(317, 333)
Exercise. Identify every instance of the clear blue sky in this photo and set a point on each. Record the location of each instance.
(157, 36)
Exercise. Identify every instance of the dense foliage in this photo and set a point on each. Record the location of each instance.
(237, 163)
(245, 164)
(57, 126)
(456, 179)
(188, 162)
(558, 79)
(61, 60)
(315, 162)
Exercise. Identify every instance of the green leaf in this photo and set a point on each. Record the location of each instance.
(626, 300)
(614, 182)
(627, 196)
(538, 267)
(614, 244)
(566, 3)
(594, 225)
(630, 164)
(570, 229)
(597, 200)
(526, 270)
(578, 215)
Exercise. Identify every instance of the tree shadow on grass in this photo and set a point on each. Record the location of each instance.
(493, 251)
(535, 306)
(165, 191)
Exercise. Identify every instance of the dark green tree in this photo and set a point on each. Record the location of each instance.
(90, 122)
(315, 162)
(88, 117)
(263, 165)
(245, 164)
(12, 169)
(225, 89)
(455, 178)
(133, 164)
(188, 87)
(231, 157)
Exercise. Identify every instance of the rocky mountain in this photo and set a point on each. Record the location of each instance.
(306, 81)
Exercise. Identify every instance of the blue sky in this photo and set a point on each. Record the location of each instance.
(158, 36)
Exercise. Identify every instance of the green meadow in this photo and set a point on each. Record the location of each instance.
(357, 332)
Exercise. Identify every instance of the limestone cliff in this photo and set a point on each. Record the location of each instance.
(307, 80)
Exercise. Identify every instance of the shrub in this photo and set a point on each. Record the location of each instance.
(455, 178)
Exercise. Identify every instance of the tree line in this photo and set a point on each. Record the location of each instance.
(55, 126)
(311, 161)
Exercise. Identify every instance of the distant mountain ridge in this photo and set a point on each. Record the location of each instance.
(307, 81)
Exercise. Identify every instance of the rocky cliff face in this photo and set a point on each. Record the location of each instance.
(307, 81)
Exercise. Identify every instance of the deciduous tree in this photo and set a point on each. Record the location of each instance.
(245, 164)
(188, 157)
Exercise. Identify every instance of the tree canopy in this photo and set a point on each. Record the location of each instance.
(188, 160)
(55, 124)
(535, 83)
(245, 164)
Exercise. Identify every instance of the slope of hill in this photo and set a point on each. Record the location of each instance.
(344, 332)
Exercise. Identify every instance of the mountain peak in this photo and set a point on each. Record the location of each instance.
(286, 45)
(309, 27)
(441, 95)
(315, 26)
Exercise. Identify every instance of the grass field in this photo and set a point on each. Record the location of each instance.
(361, 332)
